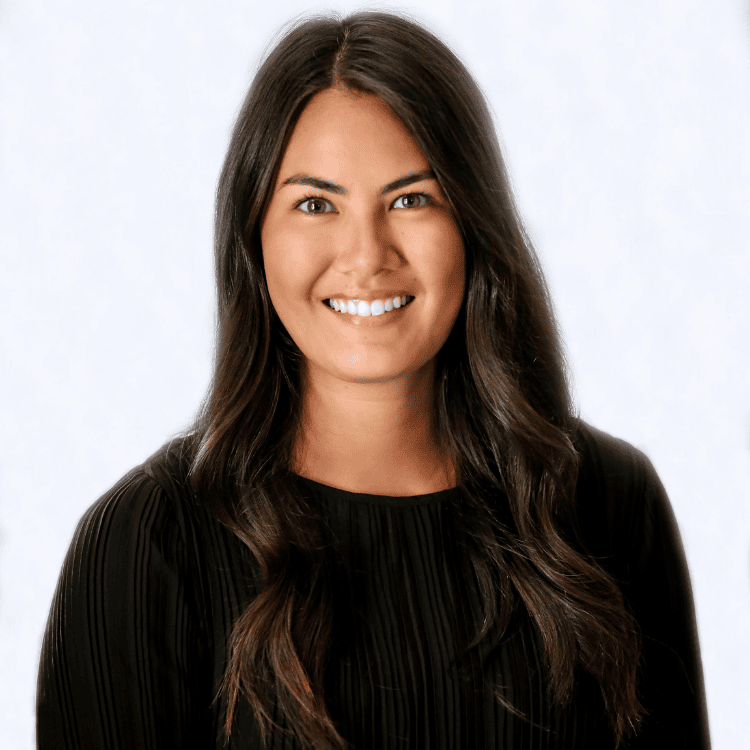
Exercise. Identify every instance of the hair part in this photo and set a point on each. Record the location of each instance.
(501, 397)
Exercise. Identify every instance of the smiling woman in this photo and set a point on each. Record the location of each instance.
(372, 246)
(386, 528)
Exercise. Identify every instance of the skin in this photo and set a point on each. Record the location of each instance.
(367, 393)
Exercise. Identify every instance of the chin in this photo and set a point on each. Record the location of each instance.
(373, 368)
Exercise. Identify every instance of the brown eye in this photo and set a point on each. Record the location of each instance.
(411, 200)
(312, 200)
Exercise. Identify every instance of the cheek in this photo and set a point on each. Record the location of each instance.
(454, 282)
(289, 261)
(446, 259)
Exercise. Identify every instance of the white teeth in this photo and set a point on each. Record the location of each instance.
(363, 309)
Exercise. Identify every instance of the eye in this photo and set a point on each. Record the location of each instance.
(423, 199)
(411, 197)
(314, 199)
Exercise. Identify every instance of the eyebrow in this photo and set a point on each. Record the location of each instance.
(331, 187)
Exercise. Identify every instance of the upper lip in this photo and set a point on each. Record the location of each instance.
(371, 296)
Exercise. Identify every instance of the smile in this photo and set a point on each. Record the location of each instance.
(375, 319)
(364, 309)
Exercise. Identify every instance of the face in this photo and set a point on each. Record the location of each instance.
(360, 238)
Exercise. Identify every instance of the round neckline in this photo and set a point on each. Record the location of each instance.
(365, 497)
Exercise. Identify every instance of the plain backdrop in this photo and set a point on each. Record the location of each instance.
(625, 127)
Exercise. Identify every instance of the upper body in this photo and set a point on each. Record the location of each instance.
(387, 361)
(136, 641)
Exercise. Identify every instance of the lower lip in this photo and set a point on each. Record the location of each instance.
(371, 321)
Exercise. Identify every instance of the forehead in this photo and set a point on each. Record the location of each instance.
(344, 130)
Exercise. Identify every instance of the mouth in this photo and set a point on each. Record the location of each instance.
(376, 319)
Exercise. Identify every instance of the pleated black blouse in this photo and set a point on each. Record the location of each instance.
(136, 641)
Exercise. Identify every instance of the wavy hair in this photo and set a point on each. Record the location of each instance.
(501, 399)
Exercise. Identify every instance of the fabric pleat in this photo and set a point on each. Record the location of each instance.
(136, 642)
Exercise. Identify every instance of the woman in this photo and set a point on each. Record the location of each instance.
(387, 528)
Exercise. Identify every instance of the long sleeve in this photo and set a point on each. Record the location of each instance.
(660, 592)
(123, 661)
(631, 529)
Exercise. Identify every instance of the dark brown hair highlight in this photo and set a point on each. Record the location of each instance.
(501, 402)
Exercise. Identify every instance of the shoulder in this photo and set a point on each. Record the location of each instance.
(618, 493)
(607, 458)
(129, 621)
(149, 506)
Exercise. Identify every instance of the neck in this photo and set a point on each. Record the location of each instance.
(372, 437)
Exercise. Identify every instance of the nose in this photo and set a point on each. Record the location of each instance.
(365, 247)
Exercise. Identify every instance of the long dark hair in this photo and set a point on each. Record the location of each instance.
(501, 397)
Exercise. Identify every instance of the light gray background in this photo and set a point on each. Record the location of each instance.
(625, 127)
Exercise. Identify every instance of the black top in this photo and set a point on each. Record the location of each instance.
(135, 645)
